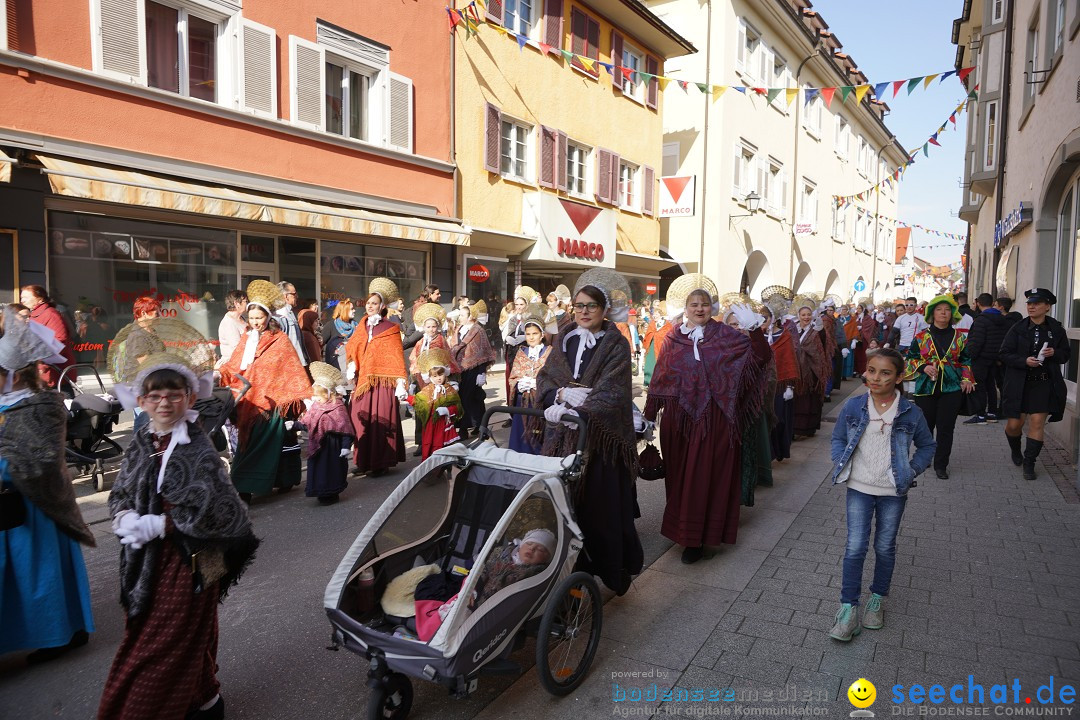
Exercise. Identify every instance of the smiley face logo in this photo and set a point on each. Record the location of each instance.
(862, 693)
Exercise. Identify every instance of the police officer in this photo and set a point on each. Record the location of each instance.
(1033, 352)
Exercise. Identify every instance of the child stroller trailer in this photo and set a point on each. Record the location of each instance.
(91, 418)
(454, 507)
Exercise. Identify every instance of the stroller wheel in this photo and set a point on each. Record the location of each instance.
(569, 633)
(392, 699)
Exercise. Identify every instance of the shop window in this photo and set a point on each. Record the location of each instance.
(347, 268)
(181, 52)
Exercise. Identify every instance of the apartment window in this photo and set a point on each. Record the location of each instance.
(577, 157)
(808, 203)
(779, 80)
(633, 59)
(764, 68)
(1033, 59)
(745, 167)
(775, 185)
(347, 101)
(839, 223)
(991, 136)
(1057, 32)
(514, 150)
(585, 39)
(671, 159)
(843, 137)
(628, 185)
(860, 231)
(181, 52)
(746, 47)
(518, 16)
(812, 114)
(998, 12)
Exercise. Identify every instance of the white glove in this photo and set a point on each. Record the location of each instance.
(345, 452)
(526, 384)
(571, 424)
(454, 385)
(886, 345)
(289, 424)
(425, 377)
(554, 413)
(481, 379)
(819, 324)
(443, 411)
(845, 352)
(854, 343)
(575, 396)
(401, 393)
(308, 402)
(125, 521)
(748, 319)
(142, 531)
(880, 317)
(650, 431)
(789, 394)
(350, 372)
(515, 340)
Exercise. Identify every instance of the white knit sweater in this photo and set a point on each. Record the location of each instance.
(870, 468)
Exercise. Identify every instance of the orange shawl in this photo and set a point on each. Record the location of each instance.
(279, 382)
(787, 367)
(655, 338)
(624, 328)
(851, 328)
(379, 361)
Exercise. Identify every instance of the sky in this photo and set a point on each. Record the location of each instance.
(897, 40)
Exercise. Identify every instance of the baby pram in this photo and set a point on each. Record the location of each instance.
(91, 418)
(452, 510)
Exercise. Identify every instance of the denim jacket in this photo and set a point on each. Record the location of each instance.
(908, 427)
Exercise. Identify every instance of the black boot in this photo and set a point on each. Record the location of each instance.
(1031, 453)
(1014, 445)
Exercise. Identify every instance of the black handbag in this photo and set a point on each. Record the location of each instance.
(12, 509)
(651, 464)
(968, 406)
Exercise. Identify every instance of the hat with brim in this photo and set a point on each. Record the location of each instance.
(1040, 295)
(948, 299)
(326, 376)
(429, 311)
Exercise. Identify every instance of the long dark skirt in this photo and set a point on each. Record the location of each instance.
(264, 463)
(380, 443)
(327, 471)
(519, 439)
(860, 358)
(782, 434)
(807, 407)
(606, 514)
(472, 399)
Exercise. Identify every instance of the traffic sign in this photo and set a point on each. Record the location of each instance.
(860, 285)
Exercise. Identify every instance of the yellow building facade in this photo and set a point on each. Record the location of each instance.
(559, 157)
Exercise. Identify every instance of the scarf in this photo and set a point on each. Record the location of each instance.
(437, 341)
(783, 348)
(177, 436)
(471, 349)
(696, 333)
(729, 376)
(588, 340)
(810, 354)
(527, 366)
(32, 435)
(378, 354)
(344, 329)
(436, 396)
(248, 356)
(322, 418)
(209, 521)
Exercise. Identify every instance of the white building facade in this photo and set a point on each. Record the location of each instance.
(794, 157)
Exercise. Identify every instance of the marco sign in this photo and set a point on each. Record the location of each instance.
(568, 232)
(677, 196)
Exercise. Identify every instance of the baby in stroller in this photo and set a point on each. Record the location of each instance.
(517, 560)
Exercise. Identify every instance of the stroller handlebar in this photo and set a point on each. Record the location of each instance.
(582, 425)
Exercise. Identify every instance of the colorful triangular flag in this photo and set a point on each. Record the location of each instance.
(521, 41)
(929, 79)
(963, 73)
(791, 93)
(771, 94)
(587, 62)
(897, 84)
(828, 93)
(567, 55)
(664, 81)
(946, 75)
(717, 91)
(879, 90)
(860, 92)
(845, 90)
(703, 88)
(933, 140)
(809, 94)
(912, 83)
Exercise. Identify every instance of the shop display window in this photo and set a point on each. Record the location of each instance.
(348, 268)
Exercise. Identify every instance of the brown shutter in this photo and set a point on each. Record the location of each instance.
(547, 157)
(492, 131)
(594, 40)
(553, 24)
(616, 59)
(648, 189)
(614, 192)
(560, 161)
(603, 176)
(494, 11)
(579, 28)
(652, 66)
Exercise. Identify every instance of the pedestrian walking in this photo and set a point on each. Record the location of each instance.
(377, 363)
(813, 367)
(845, 333)
(984, 345)
(523, 374)
(787, 374)
(44, 589)
(285, 317)
(866, 329)
(1033, 353)
(43, 311)
(871, 452)
(233, 325)
(310, 332)
(588, 374)
(185, 540)
(939, 364)
(337, 333)
(472, 353)
(329, 433)
(438, 405)
(429, 319)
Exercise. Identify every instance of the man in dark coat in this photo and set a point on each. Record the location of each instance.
(984, 343)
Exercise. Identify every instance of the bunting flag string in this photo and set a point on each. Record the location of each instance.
(470, 19)
(961, 238)
(896, 176)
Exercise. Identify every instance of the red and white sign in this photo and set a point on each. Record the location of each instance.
(677, 196)
(803, 229)
(650, 288)
(478, 273)
(568, 231)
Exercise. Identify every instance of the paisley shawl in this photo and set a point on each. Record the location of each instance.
(414, 354)
(322, 418)
(526, 368)
(472, 350)
(812, 363)
(379, 361)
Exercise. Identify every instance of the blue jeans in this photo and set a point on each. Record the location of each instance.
(861, 509)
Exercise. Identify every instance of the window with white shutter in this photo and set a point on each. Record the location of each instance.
(117, 41)
(307, 84)
(401, 113)
(258, 69)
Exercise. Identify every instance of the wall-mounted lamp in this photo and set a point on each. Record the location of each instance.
(753, 200)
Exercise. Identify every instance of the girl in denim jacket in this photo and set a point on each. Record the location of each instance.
(871, 445)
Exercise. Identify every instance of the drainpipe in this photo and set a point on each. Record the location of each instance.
(705, 146)
(795, 163)
(1003, 139)
(877, 222)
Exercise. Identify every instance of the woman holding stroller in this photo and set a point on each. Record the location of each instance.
(587, 374)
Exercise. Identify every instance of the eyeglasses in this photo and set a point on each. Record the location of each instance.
(290, 293)
(156, 398)
(587, 306)
(909, 306)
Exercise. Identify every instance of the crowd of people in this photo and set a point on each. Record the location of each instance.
(731, 382)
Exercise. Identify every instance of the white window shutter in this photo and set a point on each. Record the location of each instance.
(258, 68)
(401, 113)
(307, 83)
(781, 202)
(3, 26)
(118, 44)
(736, 174)
(763, 180)
(740, 47)
(648, 189)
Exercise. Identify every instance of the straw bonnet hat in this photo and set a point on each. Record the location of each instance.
(537, 316)
(386, 289)
(433, 358)
(477, 309)
(563, 294)
(727, 300)
(779, 291)
(326, 376)
(428, 311)
(265, 294)
(526, 293)
(172, 345)
(802, 301)
(614, 287)
(681, 288)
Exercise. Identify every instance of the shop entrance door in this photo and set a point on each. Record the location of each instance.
(9, 256)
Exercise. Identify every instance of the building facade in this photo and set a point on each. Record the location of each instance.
(792, 155)
(1022, 166)
(558, 157)
(181, 148)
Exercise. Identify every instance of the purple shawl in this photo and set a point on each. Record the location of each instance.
(322, 418)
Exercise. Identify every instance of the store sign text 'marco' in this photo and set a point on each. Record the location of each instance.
(580, 249)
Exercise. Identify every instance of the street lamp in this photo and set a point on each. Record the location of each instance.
(752, 202)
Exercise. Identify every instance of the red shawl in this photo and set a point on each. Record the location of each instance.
(812, 363)
(414, 354)
(829, 337)
(379, 361)
(655, 338)
(279, 382)
(787, 367)
(472, 350)
(867, 328)
(851, 328)
(322, 418)
(526, 368)
(312, 345)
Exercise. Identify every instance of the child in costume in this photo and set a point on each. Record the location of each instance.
(523, 374)
(438, 405)
(185, 539)
(330, 435)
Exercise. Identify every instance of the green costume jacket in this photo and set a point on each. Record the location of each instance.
(953, 366)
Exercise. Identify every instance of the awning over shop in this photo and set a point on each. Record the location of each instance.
(91, 181)
(640, 263)
(5, 167)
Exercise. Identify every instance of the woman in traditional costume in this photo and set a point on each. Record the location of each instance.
(813, 367)
(330, 435)
(377, 362)
(438, 405)
(513, 328)
(787, 373)
(558, 302)
(43, 311)
(44, 590)
(268, 447)
(310, 333)
(527, 366)
(708, 385)
(846, 331)
(429, 319)
(866, 327)
(587, 373)
(653, 345)
(185, 538)
(471, 351)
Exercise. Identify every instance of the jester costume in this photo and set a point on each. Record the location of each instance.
(376, 352)
(439, 430)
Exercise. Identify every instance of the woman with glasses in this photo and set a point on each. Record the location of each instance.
(708, 386)
(268, 449)
(587, 374)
